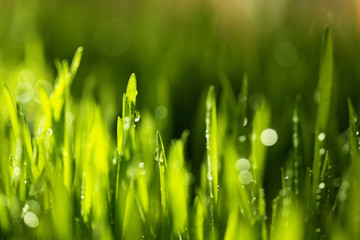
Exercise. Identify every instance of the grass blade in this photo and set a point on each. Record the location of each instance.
(325, 91)
(212, 154)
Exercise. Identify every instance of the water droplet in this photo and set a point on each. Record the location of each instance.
(31, 220)
(245, 177)
(322, 151)
(242, 138)
(268, 137)
(209, 176)
(287, 177)
(136, 116)
(141, 164)
(17, 171)
(318, 230)
(82, 197)
(207, 135)
(245, 121)
(321, 136)
(161, 112)
(322, 185)
(318, 197)
(242, 164)
(157, 154)
(49, 132)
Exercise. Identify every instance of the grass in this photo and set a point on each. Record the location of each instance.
(63, 175)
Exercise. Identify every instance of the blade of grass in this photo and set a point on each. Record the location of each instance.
(212, 154)
(325, 91)
(161, 158)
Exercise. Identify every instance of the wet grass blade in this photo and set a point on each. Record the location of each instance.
(212, 154)
(161, 158)
(12, 109)
(325, 92)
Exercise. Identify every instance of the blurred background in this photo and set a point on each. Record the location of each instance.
(177, 49)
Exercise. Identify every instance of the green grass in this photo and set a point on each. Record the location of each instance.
(64, 174)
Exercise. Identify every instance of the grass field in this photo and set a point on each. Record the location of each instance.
(63, 174)
(240, 123)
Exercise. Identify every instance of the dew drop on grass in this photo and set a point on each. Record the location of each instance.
(242, 164)
(207, 135)
(318, 230)
(31, 220)
(322, 185)
(17, 171)
(157, 154)
(268, 137)
(245, 122)
(209, 176)
(322, 151)
(141, 164)
(321, 136)
(245, 177)
(49, 132)
(136, 116)
(242, 138)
